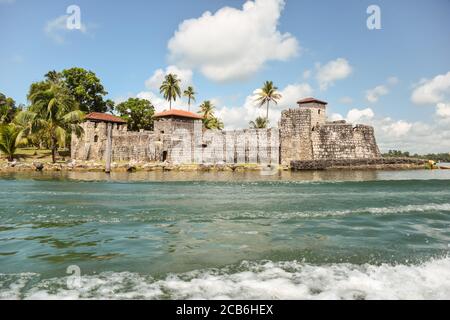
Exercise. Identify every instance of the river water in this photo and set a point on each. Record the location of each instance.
(306, 235)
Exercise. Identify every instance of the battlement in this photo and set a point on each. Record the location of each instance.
(179, 137)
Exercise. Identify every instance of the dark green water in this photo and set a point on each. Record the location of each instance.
(338, 235)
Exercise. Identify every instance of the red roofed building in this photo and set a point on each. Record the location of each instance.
(311, 100)
(168, 121)
(104, 117)
(181, 114)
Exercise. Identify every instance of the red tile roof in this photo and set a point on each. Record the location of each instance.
(178, 113)
(309, 100)
(98, 116)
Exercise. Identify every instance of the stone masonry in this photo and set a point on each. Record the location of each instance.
(304, 134)
(178, 142)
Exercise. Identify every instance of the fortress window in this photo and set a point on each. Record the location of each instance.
(95, 138)
(204, 145)
(319, 111)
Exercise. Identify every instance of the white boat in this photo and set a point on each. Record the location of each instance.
(443, 165)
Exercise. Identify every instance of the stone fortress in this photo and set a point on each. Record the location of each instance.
(303, 135)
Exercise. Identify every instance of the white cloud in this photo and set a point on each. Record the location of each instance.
(398, 128)
(154, 82)
(443, 110)
(306, 74)
(346, 100)
(231, 43)
(57, 29)
(403, 135)
(332, 71)
(392, 81)
(239, 117)
(158, 102)
(357, 116)
(432, 91)
(373, 95)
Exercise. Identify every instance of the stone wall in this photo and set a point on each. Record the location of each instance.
(374, 163)
(305, 135)
(184, 144)
(344, 141)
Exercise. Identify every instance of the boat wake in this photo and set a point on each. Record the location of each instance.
(249, 280)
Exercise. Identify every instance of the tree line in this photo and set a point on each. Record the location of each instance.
(58, 103)
(438, 157)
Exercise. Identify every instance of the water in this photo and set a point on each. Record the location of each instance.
(309, 235)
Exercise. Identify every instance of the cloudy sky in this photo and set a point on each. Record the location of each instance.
(396, 78)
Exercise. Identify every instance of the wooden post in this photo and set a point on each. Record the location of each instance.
(108, 151)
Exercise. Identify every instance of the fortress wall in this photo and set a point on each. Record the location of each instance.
(295, 135)
(239, 146)
(135, 146)
(344, 141)
(303, 135)
(185, 145)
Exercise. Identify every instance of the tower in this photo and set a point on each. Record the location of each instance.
(296, 129)
(317, 110)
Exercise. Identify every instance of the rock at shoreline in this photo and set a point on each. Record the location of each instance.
(39, 166)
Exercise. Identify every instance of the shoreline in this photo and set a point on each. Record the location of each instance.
(320, 165)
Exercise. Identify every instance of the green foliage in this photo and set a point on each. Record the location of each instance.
(190, 94)
(9, 139)
(138, 113)
(8, 109)
(210, 121)
(85, 87)
(268, 93)
(170, 88)
(259, 123)
(442, 157)
(53, 113)
(397, 154)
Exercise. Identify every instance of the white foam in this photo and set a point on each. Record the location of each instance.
(264, 280)
(428, 207)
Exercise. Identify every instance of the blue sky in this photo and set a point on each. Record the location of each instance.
(395, 78)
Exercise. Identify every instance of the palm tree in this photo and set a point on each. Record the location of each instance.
(215, 123)
(190, 94)
(210, 121)
(170, 88)
(53, 112)
(268, 93)
(9, 140)
(259, 123)
(207, 109)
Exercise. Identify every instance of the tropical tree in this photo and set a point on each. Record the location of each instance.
(259, 123)
(170, 88)
(268, 93)
(214, 123)
(138, 113)
(9, 140)
(207, 109)
(7, 109)
(54, 112)
(85, 88)
(210, 121)
(190, 94)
